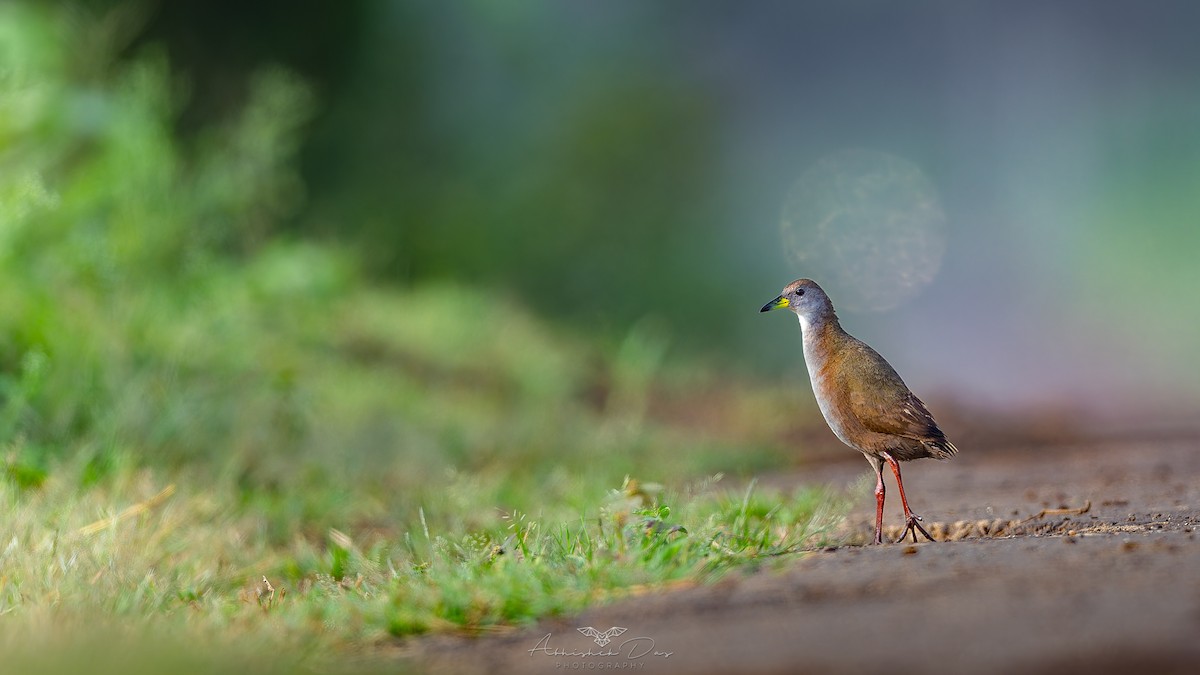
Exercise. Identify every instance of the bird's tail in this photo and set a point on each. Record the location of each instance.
(941, 449)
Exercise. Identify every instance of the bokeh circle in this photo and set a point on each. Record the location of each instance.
(866, 225)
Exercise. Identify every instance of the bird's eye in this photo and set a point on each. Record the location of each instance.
(799, 292)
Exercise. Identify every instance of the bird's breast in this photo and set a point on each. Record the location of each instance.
(828, 390)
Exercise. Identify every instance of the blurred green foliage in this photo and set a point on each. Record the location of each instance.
(120, 291)
(448, 147)
(582, 184)
(152, 313)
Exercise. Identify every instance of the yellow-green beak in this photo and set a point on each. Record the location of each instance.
(775, 304)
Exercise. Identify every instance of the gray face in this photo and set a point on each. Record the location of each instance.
(804, 298)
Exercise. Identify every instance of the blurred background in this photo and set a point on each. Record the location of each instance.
(1020, 182)
(609, 162)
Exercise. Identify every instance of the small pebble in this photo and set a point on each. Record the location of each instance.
(910, 550)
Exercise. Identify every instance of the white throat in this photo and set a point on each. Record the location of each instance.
(808, 333)
(804, 323)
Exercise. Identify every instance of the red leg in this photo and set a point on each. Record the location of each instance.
(912, 522)
(879, 493)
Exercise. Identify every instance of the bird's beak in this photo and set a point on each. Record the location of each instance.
(775, 304)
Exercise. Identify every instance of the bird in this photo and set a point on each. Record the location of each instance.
(862, 398)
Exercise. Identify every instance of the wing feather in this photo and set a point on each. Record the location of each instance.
(883, 403)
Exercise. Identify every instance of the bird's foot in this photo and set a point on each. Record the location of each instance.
(912, 523)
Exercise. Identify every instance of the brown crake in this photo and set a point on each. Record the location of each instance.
(864, 401)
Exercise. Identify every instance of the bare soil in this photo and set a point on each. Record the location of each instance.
(1022, 583)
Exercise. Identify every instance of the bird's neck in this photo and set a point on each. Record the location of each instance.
(818, 324)
(820, 332)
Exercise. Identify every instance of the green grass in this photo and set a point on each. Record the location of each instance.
(190, 561)
(218, 439)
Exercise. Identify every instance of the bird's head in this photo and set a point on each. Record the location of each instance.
(803, 297)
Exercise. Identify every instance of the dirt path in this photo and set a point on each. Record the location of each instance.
(1116, 589)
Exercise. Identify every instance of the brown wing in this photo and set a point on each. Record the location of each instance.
(883, 403)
